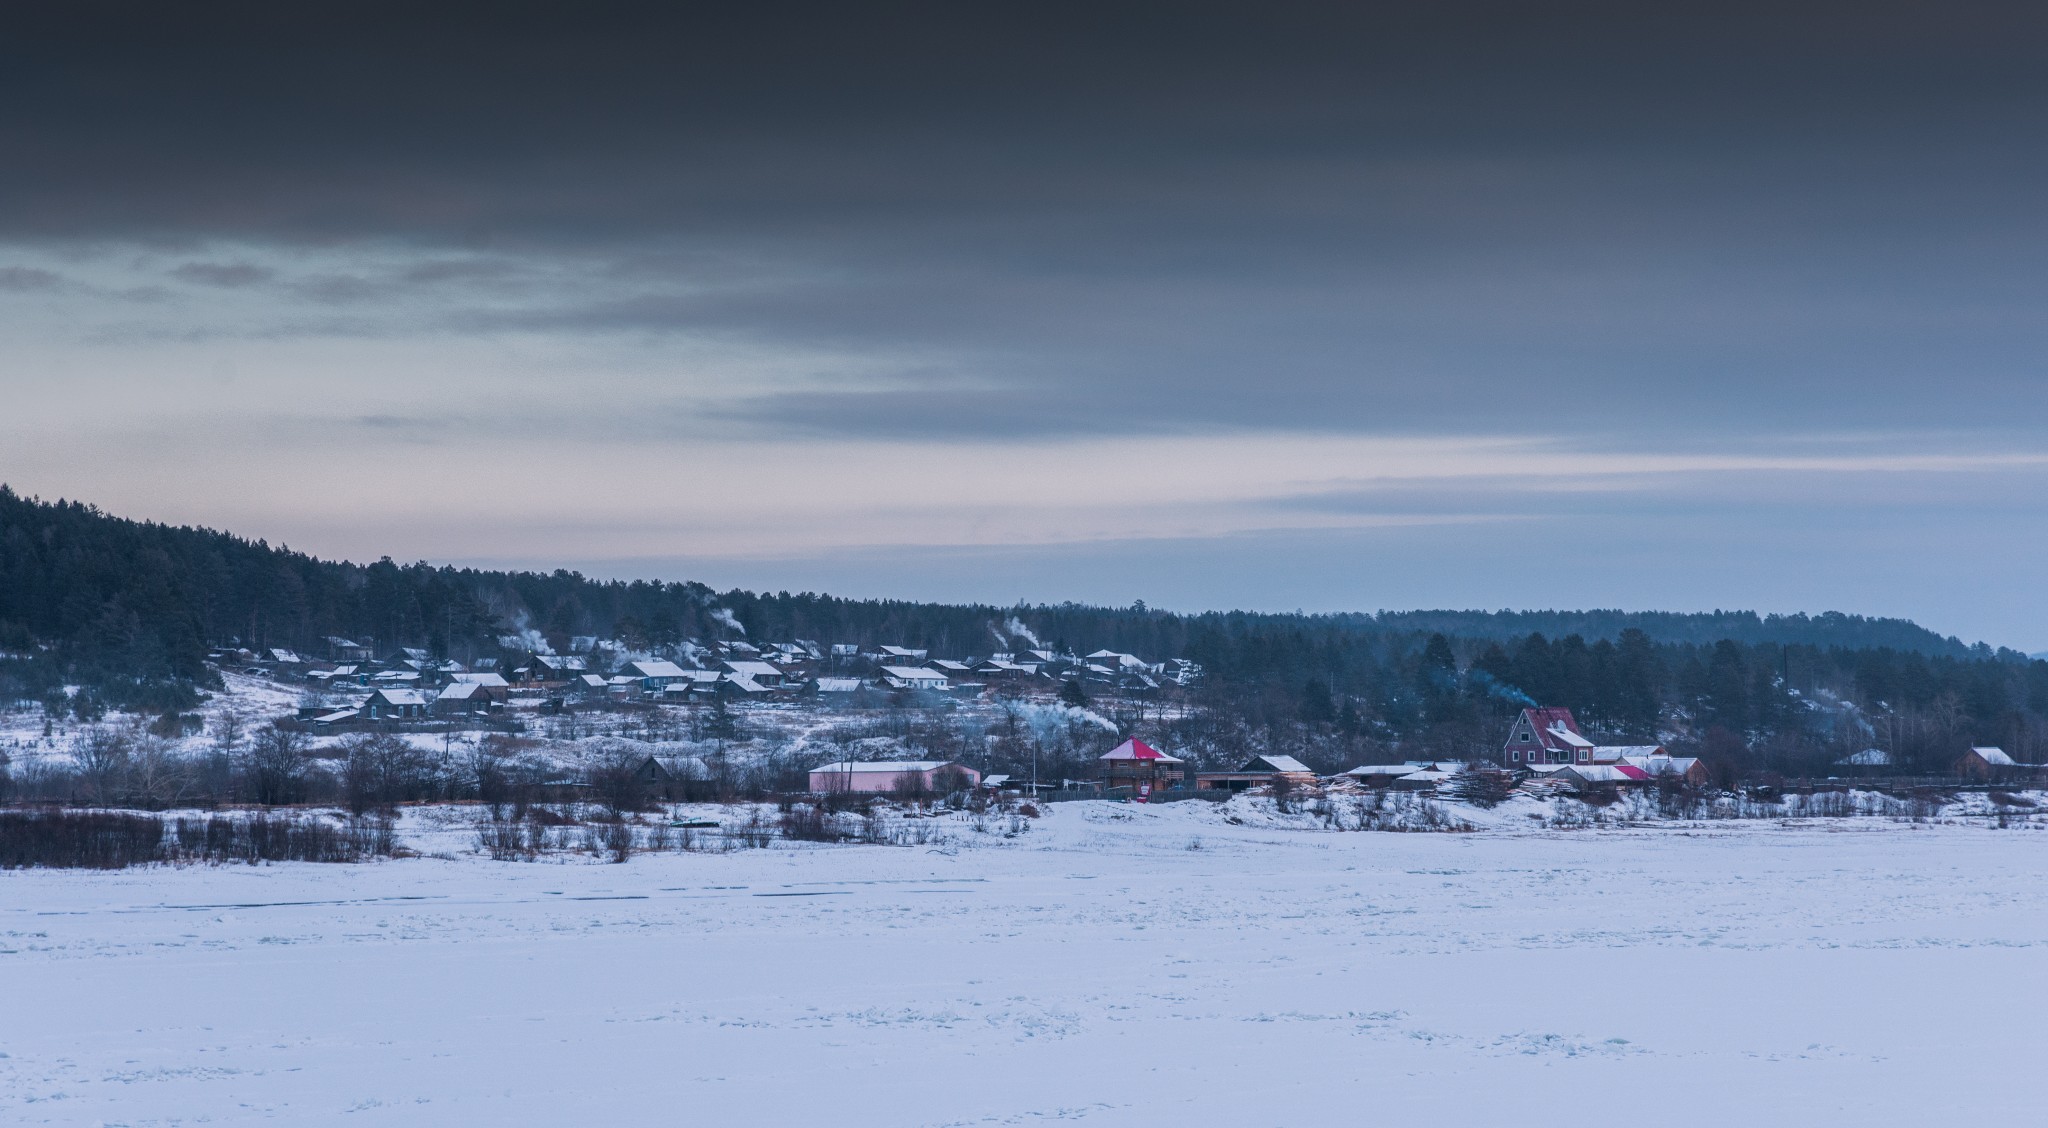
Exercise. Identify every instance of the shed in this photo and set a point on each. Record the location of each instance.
(1984, 762)
(921, 777)
(1255, 772)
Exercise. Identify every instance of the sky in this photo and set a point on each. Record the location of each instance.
(1274, 306)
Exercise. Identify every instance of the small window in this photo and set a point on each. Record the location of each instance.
(1514, 757)
(1583, 756)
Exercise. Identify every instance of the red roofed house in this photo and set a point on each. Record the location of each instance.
(1546, 735)
(1140, 767)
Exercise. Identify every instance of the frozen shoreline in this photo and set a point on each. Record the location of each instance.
(1096, 968)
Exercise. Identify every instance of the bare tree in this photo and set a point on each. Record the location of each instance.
(103, 755)
(275, 766)
(157, 776)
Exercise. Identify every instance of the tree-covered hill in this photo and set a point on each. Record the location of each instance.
(129, 610)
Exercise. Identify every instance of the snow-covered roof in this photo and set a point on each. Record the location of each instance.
(1427, 775)
(950, 666)
(746, 684)
(838, 685)
(462, 691)
(1995, 757)
(487, 679)
(905, 652)
(1868, 758)
(337, 717)
(1567, 738)
(686, 767)
(564, 662)
(994, 780)
(912, 673)
(1662, 765)
(1277, 764)
(657, 669)
(401, 696)
(1612, 752)
(279, 654)
(591, 680)
(753, 669)
(1139, 750)
(851, 767)
(1381, 770)
(1606, 773)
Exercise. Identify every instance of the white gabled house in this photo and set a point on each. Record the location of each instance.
(911, 677)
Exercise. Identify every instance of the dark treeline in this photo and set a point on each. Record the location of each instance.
(1336, 697)
(129, 609)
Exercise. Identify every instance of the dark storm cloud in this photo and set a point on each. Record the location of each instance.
(227, 275)
(1096, 216)
(23, 279)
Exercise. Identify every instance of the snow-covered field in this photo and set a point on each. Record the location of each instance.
(1113, 965)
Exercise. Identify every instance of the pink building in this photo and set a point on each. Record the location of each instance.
(920, 776)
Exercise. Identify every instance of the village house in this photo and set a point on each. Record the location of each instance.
(461, 699)
(396, 705)
(903, 656)
(556, 667)
(494, 685)
(1546, 735)
(1140, 767)
(675, 777)
(1987, 763)
(1578, 777)
(1545, 739)
(346, 650)
(1259, 771)
(1410, 775)
(340, 675)
(1005, 670)
(910, 677)
(765, 674)
(923, 777)
(654, 674)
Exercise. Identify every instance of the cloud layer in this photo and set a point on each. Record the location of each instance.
(802, 280)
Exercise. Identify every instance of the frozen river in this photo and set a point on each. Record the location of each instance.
(1113, 966)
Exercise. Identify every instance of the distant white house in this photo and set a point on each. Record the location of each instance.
(905, 654)
(655, 674)
(891, 775)
(911, 677)
(759, 672)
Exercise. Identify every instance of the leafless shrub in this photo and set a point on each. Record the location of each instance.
(112, 840)
(612, 839)
(808, 823)
(78, 840)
